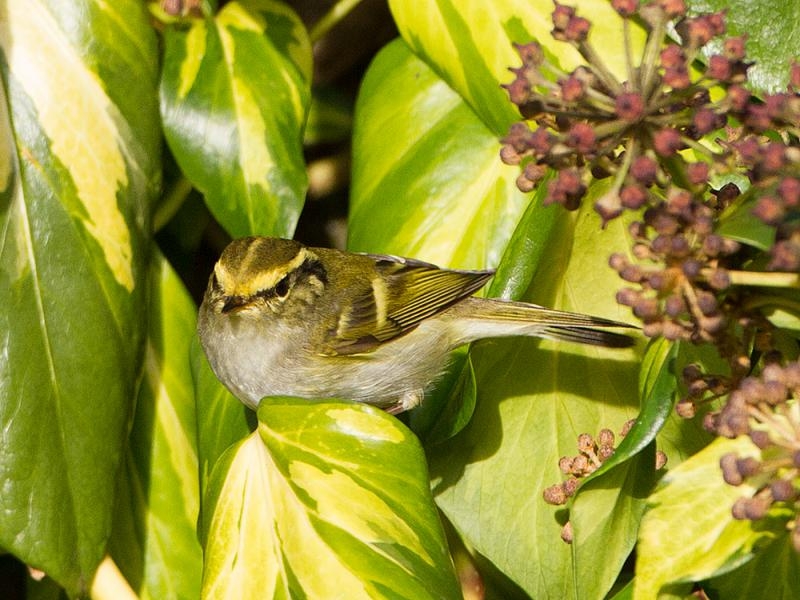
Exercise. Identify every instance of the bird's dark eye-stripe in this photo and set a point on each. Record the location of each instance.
(282, 287)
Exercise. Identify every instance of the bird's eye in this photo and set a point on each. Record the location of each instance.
(282, 287)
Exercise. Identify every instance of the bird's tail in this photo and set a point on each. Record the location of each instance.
(519, 318)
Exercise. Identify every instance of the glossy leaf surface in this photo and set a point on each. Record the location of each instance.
(626, 478)
(234, 96)
(656, 384)
(155, 535)
(531, 407)
(709, 540)
(776, 562)
(469, 44)
(78, 170)
(339, 495)
(428, 124)
(427, 182)
(770, 27)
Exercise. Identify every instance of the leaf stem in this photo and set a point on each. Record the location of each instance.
(599, 68)
(778, 301)
(626, 37)
(649, 64)
(329, 20)
(173, 201)
(761, 278)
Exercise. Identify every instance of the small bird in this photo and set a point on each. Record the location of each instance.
(282, 319)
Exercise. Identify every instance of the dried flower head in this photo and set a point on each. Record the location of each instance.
(694, 153)
(592, 453)
(766, 408)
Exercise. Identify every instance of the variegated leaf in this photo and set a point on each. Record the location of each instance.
(435, 186)
(688, 532)
(325, 500)
(427, 180)
(155, 532)
(234, 95)
(79, 128)
(468, 43)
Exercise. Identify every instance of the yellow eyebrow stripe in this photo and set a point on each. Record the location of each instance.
(246, 278)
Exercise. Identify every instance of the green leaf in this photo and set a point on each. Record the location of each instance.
(155, 538)
(80, 136)
(325, 496)
(427, 182)
(624, 593)
(449, 407)
(419, 189)
(778, 562)
(688, 532)
(771, 29)
(680, 438)
(657, 388)
(531, 407)
(627, 477)
(739, 223)
(527, 248)
(781, 316)
(676, 592)
(234, 97)
(622, 492)
(469, 44)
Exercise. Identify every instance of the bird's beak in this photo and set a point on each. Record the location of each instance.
(234, 304)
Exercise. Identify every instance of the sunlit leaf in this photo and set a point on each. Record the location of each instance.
(622, 492)
(778, 562)
(782, 317)
(739, 223)
(427, 180)
(680, 437)
(688, 532)
(428, 183)
(469, 44)
(234, 94)
(419, 184)
(626, 478)
(657, 387)
(527, 249)
(339, 496)
(79, 129)
(155, 536)
(448, 410)
(531, 407)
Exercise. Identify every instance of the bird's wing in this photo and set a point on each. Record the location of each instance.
(401, 295)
